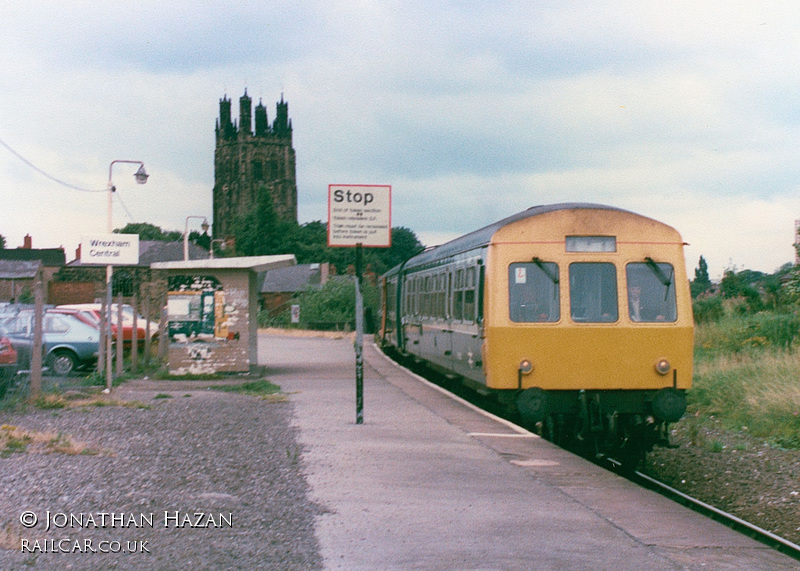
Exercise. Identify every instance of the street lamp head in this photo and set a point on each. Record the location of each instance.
(141, 175)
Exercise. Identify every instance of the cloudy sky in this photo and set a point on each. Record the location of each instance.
(685, 111)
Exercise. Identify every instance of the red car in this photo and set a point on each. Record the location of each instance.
(91, 312)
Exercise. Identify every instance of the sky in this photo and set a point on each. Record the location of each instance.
(687, 112)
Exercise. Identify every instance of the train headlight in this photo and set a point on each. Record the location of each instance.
(663, 367)
(525, 367)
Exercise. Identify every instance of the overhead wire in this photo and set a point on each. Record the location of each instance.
(43, 173)
(125, 208)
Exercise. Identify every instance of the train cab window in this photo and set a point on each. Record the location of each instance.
(533, 292)
(593, 292)
(651, 292)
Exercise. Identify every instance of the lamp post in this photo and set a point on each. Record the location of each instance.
(204, 226)
(221, 247)
(141, 178)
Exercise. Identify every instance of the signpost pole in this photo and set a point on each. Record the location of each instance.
(359, 215)
(359, 341)
(107, 340)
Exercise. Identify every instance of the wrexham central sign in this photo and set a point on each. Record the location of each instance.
(110, 249)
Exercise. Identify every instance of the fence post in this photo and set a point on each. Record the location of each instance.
(120, 338)
(147, 301)
(162, 335)
(36, 351)
(135, 333)
(101, 349)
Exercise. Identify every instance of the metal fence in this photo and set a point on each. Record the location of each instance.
(37, 368)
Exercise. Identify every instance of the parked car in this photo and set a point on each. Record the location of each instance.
(67, 342)
(8, 361)
(95, 310)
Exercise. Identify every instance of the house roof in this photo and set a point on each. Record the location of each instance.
(15, 270)
(291, 279)
(50, 257)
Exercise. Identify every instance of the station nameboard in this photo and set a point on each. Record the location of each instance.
(360, 214)
(110, 249)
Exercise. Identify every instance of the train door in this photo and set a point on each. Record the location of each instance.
(442, 317)
(466, 339)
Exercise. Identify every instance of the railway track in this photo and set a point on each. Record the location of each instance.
(751, 530)
(763, 536)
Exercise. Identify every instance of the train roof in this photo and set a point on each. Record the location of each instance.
(483, 236)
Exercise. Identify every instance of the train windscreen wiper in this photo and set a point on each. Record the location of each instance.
(665, 280)
(541, 266)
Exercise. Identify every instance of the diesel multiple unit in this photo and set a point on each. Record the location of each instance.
(577, 315)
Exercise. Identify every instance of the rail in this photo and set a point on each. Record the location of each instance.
(763, 536)
(759, 534)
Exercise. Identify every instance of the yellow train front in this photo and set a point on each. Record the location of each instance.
(577, 314)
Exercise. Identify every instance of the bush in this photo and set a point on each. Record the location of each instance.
(708, 308)
(755, 392)
(331, 307)
(737, 332)
(779, 329)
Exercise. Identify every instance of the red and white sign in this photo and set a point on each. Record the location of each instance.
(360, 214)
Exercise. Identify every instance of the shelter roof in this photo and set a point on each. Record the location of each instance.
(254, 263)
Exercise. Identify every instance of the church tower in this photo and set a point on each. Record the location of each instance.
(248, 163)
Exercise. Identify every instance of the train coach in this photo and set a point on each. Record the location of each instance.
(576, 315)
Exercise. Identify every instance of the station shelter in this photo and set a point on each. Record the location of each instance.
(212, 312)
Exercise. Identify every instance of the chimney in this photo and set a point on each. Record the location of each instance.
(28, 243)
(78, 252)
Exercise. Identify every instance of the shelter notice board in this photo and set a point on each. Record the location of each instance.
(360, 214)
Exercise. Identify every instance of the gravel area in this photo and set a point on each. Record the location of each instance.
(735, 473)
(190, 463)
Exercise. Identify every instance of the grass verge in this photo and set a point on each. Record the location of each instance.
(16, 440)
(261, 388)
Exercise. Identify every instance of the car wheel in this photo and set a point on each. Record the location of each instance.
(62, 362)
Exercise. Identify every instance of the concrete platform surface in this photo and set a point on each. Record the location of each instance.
(428, 482)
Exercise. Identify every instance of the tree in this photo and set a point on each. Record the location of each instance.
(147, 231)
(404, 245)
(701, 282)
(2, 242)
(260, 231)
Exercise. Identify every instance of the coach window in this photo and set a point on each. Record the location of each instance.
(458, 296)
(445, 313)
(533, 292)
(469, 295)
(593, 292)
(651, 292)
(411, 306)
(426, 297)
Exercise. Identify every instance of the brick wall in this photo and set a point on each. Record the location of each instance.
(61, 293)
